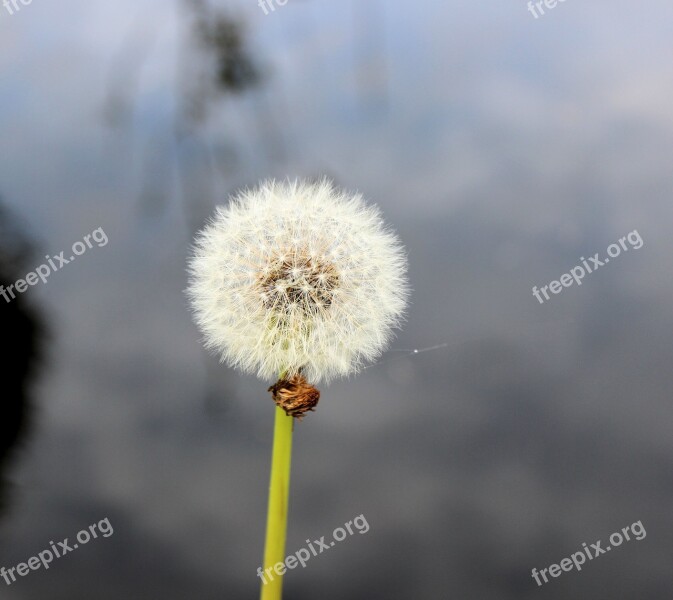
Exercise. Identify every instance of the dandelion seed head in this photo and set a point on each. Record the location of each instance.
(297, 276)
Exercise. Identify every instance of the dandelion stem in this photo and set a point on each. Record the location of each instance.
(279, 489)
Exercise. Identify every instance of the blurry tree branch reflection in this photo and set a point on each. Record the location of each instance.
(22, 331)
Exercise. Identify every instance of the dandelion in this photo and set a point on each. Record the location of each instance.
(302, 283)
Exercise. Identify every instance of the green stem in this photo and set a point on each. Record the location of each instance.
(279, 491)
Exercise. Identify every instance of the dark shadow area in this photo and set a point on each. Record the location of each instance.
(21, 334)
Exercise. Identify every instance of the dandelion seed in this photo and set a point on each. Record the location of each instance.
(298, 249)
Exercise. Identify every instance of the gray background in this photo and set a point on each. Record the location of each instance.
(501, 148)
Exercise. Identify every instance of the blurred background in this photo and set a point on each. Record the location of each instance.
(501, 147)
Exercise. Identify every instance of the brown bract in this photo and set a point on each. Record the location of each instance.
(295, 396)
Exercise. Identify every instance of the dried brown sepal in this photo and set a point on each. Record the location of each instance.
(295, 396)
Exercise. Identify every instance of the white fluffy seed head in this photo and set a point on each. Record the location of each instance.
(297, 276)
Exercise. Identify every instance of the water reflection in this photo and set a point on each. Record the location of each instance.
(21, 332)
(501, 154)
